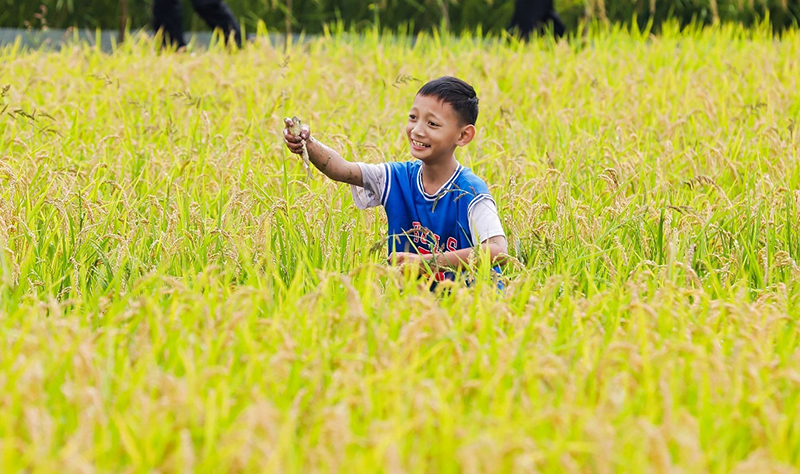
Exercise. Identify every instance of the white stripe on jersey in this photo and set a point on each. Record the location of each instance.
(445, 186)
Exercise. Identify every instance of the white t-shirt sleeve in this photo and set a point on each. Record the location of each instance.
(374, 180)
(484, 220)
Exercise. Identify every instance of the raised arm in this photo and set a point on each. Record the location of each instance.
(324, 158)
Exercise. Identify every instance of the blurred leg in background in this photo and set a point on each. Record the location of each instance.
(167, 16)
(531, 15)
(218, 15)
(558, 26)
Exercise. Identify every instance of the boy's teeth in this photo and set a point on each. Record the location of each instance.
(418, 143)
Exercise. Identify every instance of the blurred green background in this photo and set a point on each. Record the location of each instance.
(492, 16)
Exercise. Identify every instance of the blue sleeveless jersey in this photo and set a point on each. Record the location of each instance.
(424, 223)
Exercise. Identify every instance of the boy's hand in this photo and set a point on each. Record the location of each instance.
(294, 131)
(293, 138)
(413, 261)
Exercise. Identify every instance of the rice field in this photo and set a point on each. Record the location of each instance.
(176, 296)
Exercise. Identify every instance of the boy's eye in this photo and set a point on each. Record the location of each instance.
(412, 117)
(433, 124)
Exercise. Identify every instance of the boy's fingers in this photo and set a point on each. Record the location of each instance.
(288, 122)
(291, 138)
(400, 258)
(291, 145)
(305, 132)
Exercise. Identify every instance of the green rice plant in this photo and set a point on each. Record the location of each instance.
(175, 295)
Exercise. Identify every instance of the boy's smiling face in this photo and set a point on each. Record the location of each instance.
(434, 130)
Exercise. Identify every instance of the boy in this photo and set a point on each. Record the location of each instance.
(437, 209)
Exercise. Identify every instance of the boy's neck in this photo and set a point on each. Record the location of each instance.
(434, 175)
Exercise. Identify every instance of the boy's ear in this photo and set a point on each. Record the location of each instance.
(466, 135)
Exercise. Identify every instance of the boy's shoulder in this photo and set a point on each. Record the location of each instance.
(467, 175)
(470, 182)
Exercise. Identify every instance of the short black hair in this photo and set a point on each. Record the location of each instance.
(460, 95)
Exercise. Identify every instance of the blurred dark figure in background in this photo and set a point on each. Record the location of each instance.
(167, 16)
(531, 16)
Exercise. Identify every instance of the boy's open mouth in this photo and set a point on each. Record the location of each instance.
(419, 144)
